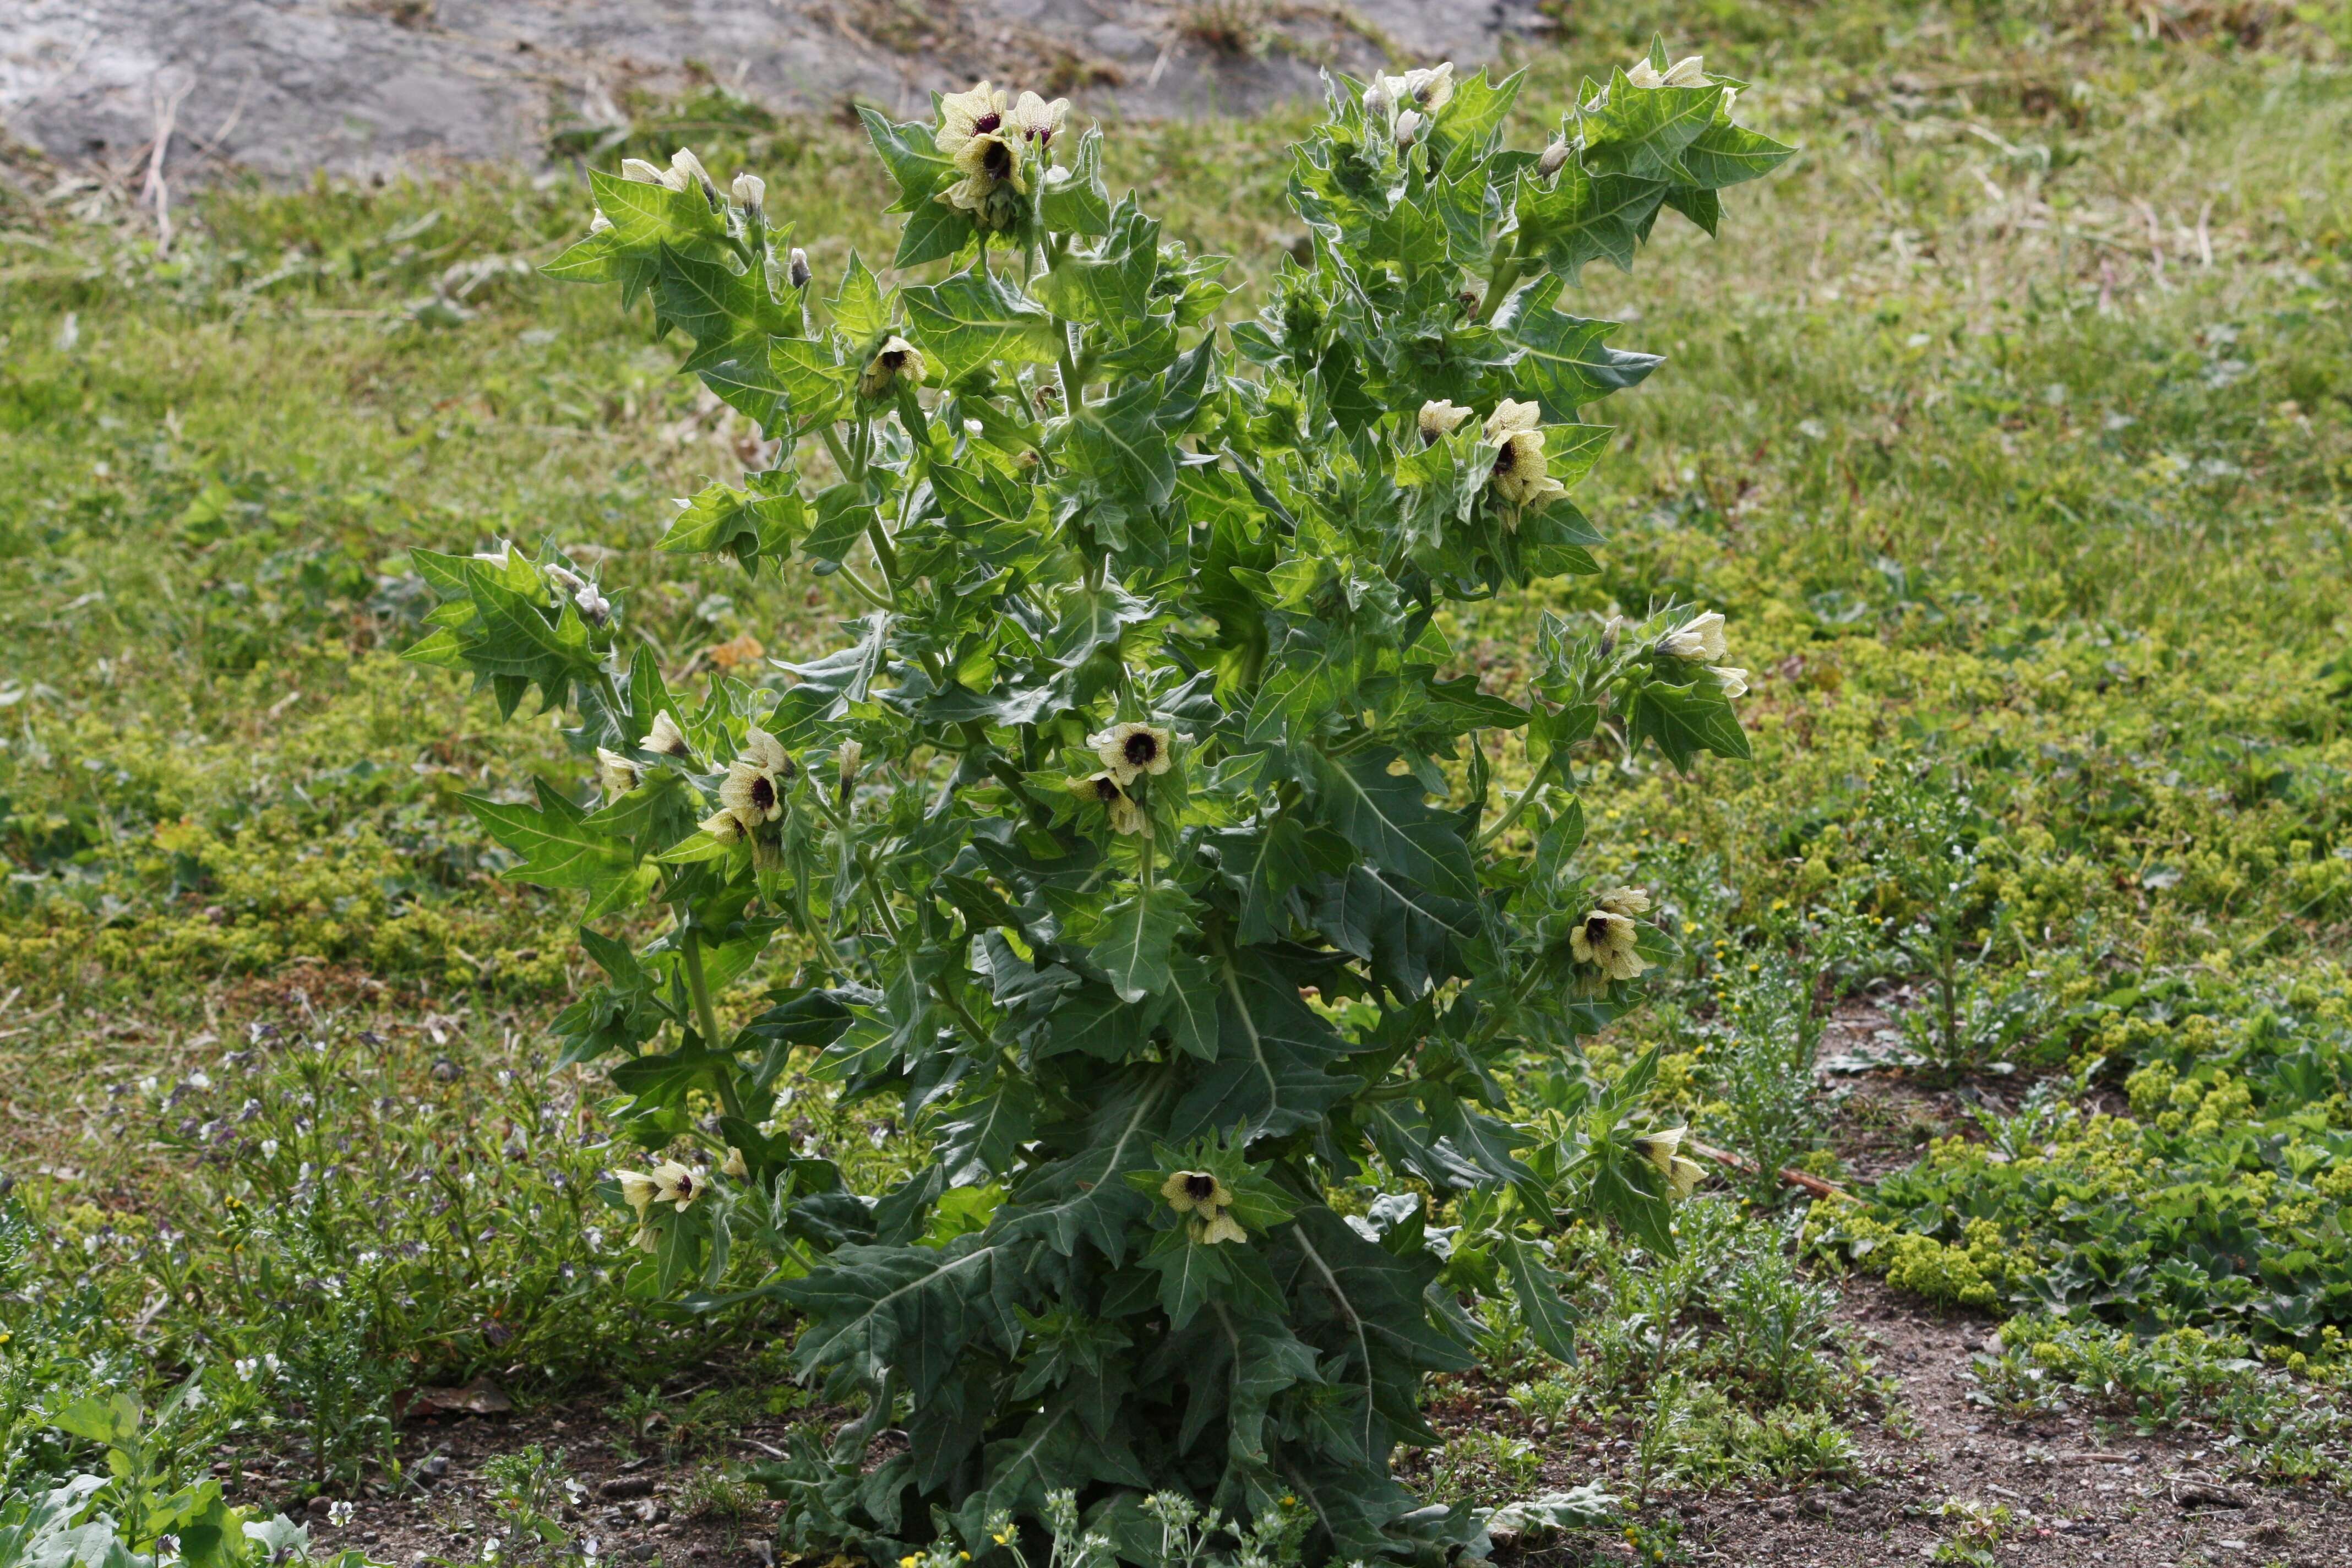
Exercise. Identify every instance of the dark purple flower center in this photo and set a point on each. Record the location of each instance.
(1596, 928)
(893, 359)
(1506, 459)
(1200, 1188)
(986, 124)
(997, 161)
(1105, 790)
(1141, 749)
(763, 793)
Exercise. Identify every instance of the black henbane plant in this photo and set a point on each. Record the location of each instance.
(1135, 838)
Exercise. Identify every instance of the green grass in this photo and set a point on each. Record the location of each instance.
(2031, 521)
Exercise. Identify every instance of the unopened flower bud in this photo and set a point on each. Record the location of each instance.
(597, 222)
(750, 191)
(801, 273)
(851, 756)
(1554, 159)
(642, 172)
(1407, 125)
(1376, 101)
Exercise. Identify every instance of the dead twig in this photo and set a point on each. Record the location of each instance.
(167, 101)
(1821, 1188)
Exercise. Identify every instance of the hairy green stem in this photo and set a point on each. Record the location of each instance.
(706, 1017)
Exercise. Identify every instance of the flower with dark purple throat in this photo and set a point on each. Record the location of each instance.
(678, 1185)
(1126, 816)
(1604, 938)
(753, 789)
(896, 358)
(1195, 1192)
(1131, 751)
(1519, 475)
(964, 115)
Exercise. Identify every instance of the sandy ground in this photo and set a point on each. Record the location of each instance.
(362, 85)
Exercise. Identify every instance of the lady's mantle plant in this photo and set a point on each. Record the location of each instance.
(1134, 838)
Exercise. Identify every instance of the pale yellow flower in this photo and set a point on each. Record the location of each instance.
(1733, 679)
(896, 358)
(687, 174)
(726, 827)
(1520, 476)
(666, 737)
(1605, 940)
(1626, 901)
(678, 1185)
(597, 222)
(1662, 1150)
(1439, 419)
(750, 191)
(767, 753)
(638, 1190)
(642, 172)
(1129, 751)
(1688, 72)
(1428, 87)
(964, 115)
(1125, 816)
(1700, 637)
(1218, 1226)
(615, 774)
(1035, 119)
(733, 1165)
(648, 1239)
(1189, 1192)
(1408, 126)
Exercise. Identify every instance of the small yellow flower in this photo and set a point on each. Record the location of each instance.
(1520, 476)
(726, 827)
(1217, 1225)
(647, 1238)
(1606, 939)
(678, 1185)
(1439, 419)
(1131, 750)
(1700, 637)
(895, 358)
(1733, 679)
(1189, 1192)
(733, 1165)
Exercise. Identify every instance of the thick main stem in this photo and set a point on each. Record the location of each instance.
(707, 1018)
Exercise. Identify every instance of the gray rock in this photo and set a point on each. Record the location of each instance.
(369, 86)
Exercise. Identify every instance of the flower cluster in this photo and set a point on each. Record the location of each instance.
(1129, 752)
(1701, 639)
(1605, 936)
(995, 142)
